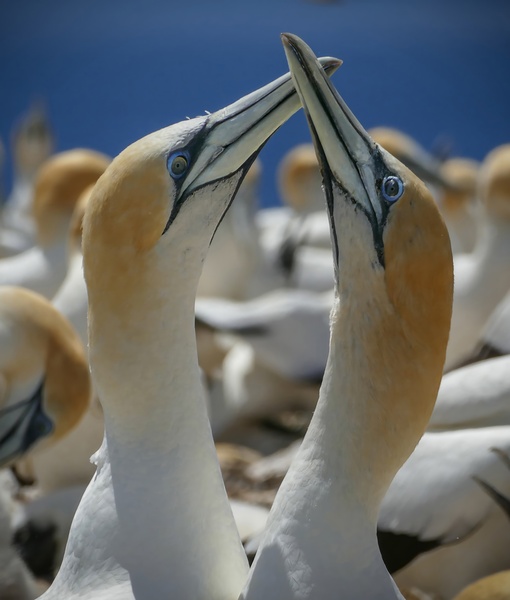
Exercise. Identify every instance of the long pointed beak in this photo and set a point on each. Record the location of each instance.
(21, 425)
(350, 160)
(234, 135)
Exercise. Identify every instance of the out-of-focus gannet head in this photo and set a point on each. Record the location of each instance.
(463, 174)
(299, 179)
(59, 184)
(44, 378)
(458, 202)
(494, 183)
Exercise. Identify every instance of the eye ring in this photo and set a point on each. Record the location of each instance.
(177, 164)
(392, 188)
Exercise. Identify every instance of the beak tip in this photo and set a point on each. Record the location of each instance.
(292, 42)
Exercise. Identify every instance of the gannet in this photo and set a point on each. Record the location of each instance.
(302, 249)
(155, 521)
(276, 324)
(459, 204)
(58, 185)
(495, 338)
(299, 180)
(476, 395)
(482, 278)
(435, 513)
(497, 585)
(32, 143)
(389, 329)
(250, 389)
(44, 380)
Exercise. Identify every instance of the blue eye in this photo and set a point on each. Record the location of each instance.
(177, 164)
(392, 188)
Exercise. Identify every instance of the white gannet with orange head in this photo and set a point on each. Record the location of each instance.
(482, 277)
(155, 521)
(44, 379)
(459, 203)
(59, 184)
(389, 329)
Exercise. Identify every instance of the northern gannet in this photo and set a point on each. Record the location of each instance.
(459, 203)
(266, 367)
(276, 324)
(497, 585)
(32, 143)
(302, 249)
(44, 379)
(299, 180)
(495, 338)
(249, 389)
(435, 513)
(482, 278)
(59, 183)
(389, 329)
(476, 395)
(155, 521)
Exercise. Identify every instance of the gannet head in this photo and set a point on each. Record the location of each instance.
(44, 379)
(165, 195)
(59, 184)
(463, 174)
(396, 277)
(299, 179)
(494, 183)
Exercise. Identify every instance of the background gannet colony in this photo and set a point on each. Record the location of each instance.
(234, 369)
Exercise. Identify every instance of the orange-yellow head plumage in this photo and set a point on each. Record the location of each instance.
(494, 186)
(38, 345)
(59, 183)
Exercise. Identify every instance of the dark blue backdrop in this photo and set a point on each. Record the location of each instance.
(111, 71)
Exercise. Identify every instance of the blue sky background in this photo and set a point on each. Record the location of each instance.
(111, 71)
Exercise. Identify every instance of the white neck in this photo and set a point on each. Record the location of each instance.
(176, 534)
(321, 536)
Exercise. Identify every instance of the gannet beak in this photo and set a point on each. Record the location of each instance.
(233, 136)
(21, 425)
(351, 162)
